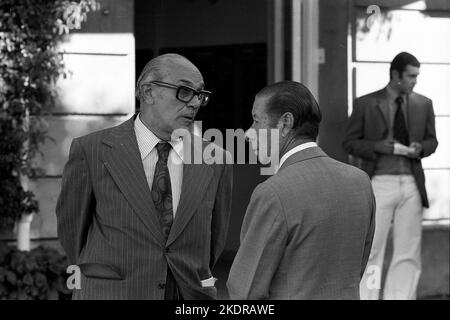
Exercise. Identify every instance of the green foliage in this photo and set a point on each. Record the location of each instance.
(39, 274)
(30, 64)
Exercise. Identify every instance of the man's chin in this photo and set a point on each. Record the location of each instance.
(183, 129)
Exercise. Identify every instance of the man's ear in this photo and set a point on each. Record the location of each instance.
(286, 123)
(147, 93)
(395, 75)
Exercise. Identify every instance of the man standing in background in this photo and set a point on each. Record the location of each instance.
(390, 130)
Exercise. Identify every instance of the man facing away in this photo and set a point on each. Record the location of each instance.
(140, 220)
(390, 130)
(308, 229)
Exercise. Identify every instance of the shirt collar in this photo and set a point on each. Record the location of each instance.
(294, 150)
(147, 140)
(392, 94)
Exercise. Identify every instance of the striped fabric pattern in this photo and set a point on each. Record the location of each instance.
(108, 224)
(146, 142)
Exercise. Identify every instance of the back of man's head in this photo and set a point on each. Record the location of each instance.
(401, 61)
(293, 97)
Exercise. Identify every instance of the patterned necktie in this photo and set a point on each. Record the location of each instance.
(161, 188)
(400, 131)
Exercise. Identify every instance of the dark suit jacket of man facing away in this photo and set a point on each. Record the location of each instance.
(369, 123)
(108, 225)
(307, 232)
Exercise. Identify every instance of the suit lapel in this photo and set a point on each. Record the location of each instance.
(123, 161)
(196, 179)
(382, 104)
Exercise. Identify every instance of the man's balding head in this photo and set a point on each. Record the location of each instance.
(158, 87)
(159, 68)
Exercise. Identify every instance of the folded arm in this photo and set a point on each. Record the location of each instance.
(354, 142)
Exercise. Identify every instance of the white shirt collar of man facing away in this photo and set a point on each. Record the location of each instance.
(294, 150)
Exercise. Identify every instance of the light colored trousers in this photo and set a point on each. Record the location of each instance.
(398, 203)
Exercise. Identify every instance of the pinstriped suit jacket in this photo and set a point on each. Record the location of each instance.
(108, 225)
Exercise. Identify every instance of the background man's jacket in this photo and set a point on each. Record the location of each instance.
(369, 124)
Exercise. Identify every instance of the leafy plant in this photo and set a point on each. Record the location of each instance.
(30, 64)
(39, 274)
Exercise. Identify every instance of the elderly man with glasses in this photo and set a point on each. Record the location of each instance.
(139, 219)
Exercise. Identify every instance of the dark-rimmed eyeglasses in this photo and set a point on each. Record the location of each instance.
(185, 93)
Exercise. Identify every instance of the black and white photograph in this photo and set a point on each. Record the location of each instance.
(216, 154)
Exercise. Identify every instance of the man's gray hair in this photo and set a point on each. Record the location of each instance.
(155, 70)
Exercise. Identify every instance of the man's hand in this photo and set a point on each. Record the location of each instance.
(385, 147)
(417, 150)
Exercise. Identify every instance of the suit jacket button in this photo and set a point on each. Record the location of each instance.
(167, 250)
(162, 286)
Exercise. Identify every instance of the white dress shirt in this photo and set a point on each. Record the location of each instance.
(147, 141)
(298, 148)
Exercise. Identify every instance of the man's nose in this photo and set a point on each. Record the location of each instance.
(250, 134)
(195, 103)
(246, 137)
